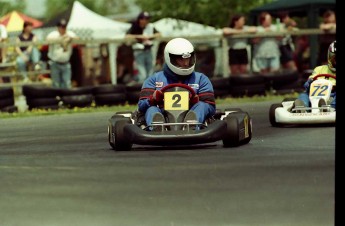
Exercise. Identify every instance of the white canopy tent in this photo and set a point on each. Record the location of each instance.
(170, 27)
(101, 27)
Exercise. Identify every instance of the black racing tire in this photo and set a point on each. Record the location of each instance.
(9, 109)
(38, 102)
(6, 92)
(272, 115)
(239, 129)
(134, 88)
(121, 141)
(40, 91)
(133, 97)
(109, 88)
(82, 100)
(110, 99)
(221, 92)
(231, 138)
(77, 91)
(8, 101)
(246, 79)
(248, 90)
(45, 107)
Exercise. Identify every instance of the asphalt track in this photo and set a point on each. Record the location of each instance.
(60, 170)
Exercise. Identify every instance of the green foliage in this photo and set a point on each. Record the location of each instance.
(216, 13)
(7, 6)
(102, 7)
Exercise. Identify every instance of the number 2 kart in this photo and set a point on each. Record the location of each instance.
(320, 112)
(232, 126)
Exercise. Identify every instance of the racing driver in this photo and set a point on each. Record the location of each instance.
(179, 67)
(330, 68)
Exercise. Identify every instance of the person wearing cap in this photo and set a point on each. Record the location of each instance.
(59, 55)
(27, 54)
(144, 32)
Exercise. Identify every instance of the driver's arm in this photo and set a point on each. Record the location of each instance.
(206, 94)
(147, 90)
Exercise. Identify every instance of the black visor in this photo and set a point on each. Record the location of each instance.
(175, 58)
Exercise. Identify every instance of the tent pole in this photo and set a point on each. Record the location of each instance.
(112, 49)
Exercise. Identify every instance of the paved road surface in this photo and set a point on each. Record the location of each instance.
(59, 170)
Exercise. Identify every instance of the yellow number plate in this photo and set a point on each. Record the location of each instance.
(176, 100)
(320, 89)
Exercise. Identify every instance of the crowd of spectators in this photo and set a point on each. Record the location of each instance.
(135, 62)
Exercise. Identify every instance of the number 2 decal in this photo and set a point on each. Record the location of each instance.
(177, 99)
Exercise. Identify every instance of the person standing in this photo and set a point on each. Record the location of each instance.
(27, 54)
(329, 26)
(59, 55)
(144, 32)
(266, 49)
(3, 38)
(238, 53)
(287, 46)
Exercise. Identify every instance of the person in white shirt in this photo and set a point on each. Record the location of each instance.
(59, 55)
(266, 49)
(144, 32)
(3, 38)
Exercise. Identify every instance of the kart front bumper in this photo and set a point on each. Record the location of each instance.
(214, 132)
(285, 117)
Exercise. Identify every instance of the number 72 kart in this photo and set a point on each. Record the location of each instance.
(232, 126)
(320, 112)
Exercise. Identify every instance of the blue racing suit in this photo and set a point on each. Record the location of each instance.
(324, 69)
(205, 108)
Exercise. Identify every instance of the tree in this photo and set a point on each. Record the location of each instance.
(102, 7)
(215, 13)
(7, 6)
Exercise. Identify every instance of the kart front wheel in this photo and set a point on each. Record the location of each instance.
(121, 142)
(272, 115)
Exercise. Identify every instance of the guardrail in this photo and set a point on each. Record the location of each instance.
(220, 38)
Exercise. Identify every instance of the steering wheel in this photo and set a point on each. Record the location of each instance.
(184, 86)
(324, 75)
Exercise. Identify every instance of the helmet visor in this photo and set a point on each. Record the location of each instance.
(184, 61)
(332, 60)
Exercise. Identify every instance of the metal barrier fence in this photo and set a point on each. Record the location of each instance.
(219, 42)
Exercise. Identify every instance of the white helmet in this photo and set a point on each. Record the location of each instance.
(178, 48)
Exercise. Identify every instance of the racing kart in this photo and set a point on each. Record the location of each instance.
(233, 126)
(319, 112)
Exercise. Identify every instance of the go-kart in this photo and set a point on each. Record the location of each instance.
(319, 112)
(233, 126)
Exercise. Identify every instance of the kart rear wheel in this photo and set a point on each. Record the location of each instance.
(272, 115)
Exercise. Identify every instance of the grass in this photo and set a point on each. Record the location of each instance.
(127, 107)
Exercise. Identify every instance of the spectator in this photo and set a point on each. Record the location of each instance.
(3, 38)
(238, 55)
(287, 46)
(330, 68)
(328, 25)
(59, 55)
(266, 49)
(144, 32)
(179, 67)
(27, 54)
